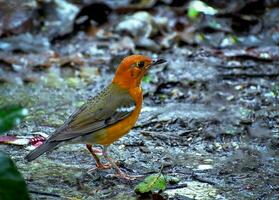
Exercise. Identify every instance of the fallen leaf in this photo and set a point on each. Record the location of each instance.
(152, 183)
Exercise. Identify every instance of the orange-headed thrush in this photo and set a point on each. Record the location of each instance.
(106, 117)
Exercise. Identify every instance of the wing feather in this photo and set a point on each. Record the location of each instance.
(100, 112)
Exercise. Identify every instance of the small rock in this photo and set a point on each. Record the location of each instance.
(205, 167)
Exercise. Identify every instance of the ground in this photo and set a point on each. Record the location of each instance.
(210, 117)
(218, 134)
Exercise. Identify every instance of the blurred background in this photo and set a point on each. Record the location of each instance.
(210, 115)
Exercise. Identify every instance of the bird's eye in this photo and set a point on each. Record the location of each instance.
(141, 64)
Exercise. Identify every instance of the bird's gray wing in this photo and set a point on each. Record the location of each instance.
(109, 107)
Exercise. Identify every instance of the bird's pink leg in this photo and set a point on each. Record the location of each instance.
(99, 165)
(119, 173)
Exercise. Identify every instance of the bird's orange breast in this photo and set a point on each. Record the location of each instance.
(116, 131)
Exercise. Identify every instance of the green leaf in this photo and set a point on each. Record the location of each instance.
(195, 7)
(152, 183)
(11, 116)
(147, 79)
(192, 13)
(12, 185)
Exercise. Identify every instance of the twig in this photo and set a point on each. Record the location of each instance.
(149, 122)
(44, 193)
(242, 75)
(186, 132)
(196, 177)
(159, 135)
(171, 187)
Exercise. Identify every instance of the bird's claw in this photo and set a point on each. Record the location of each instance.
(124, 176)
(100, 166)
(103, 166)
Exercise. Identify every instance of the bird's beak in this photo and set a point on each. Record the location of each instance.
(155, 62)
(158, 62)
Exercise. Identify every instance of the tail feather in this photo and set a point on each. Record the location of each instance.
(48, 146)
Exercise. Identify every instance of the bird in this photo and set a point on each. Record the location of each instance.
(106, 117)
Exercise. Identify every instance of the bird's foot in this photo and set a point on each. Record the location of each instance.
(124, 176)
(101, 166)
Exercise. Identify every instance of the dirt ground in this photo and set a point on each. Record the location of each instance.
(210, 117)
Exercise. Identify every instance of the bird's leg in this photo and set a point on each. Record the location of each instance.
(99, 165)
(117, 169)
(119, 172)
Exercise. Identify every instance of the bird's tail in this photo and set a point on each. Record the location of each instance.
(48, 146)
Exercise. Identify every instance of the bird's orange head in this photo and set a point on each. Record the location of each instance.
(132, 69)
